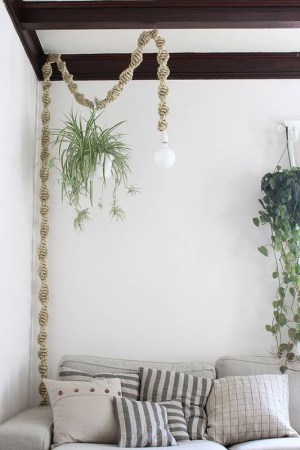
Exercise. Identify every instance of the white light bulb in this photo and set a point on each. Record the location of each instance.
(165, 157)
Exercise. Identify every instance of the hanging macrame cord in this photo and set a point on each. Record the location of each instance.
(124, 78)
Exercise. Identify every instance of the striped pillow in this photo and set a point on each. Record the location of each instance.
(142, 424)
(176, 420)
(161, 385)
(130, 382)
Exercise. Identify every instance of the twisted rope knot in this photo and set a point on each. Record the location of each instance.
(163, 57)
(144, 38)
(42, 250)
(44, 228)
(45, 116)
(126, 76)
(163, 72)
(43, 294)
(44, 209)
(43, 316)
(42, 337)
(47, 70)
(163, 109)
(163, 91)
(44, 193)
(162, 125)
(136, 58)
(160, 42)
(43, 270)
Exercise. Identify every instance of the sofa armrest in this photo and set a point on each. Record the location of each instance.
(28, 430)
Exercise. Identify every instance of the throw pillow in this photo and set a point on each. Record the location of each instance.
(161, 385)
(244, 408)
(83, 411)
(142, 424)
(130, 381)
(176, 420)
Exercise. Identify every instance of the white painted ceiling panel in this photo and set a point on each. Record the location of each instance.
(207, 40)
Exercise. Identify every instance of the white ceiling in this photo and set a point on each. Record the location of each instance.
(211, 40)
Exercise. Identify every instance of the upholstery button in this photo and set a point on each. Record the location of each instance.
(92, 390)
(107, 391)
(119, 393)
(76, 390)
(60, 392)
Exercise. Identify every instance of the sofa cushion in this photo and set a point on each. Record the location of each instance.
(95, 364)
(83, 410)
(130, 382)
(161, 385)
(142, 424)
(241, 365)
(244, 408)
(28, 430)
(190, 445)
(269, 444)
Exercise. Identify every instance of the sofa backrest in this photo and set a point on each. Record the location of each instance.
(96, 364)
(247, 365)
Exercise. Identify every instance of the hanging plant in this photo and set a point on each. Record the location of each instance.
(88, 153)
(281, 210)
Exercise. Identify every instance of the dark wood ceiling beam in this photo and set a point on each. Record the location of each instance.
(133, 14)
(187, 66)
(28, 38)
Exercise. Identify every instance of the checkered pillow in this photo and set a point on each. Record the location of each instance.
(245, 408)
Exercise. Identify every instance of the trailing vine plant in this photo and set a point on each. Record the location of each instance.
(281, 211)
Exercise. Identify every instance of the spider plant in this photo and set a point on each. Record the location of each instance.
(84, 147)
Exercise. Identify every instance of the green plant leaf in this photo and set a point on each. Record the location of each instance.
(263, 250)
(256, 221)
(283, 369)
(275, 274)
(292, 291)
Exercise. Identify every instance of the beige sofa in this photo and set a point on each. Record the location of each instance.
(32, 429)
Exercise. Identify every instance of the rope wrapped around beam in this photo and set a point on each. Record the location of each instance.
(124, 78)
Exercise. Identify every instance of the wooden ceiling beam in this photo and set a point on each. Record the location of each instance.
(148, 14)
(187, 66)
(28, 38)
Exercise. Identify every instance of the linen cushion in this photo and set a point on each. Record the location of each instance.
(246, 408)
(142, 424)
(161, 385)
(98, 364)
(83, 410)
(258, 365)
(190, 445)
(270, 444)
(130, 382)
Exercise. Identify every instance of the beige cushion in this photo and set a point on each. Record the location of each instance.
(241, 409)
(256, 365)
(191, 445)
(270, 444)
(83, 410)
(96, 364)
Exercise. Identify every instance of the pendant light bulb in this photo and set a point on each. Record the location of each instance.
(165, 157)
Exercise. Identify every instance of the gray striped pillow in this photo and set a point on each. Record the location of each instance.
(142, 424)
(161, 385)
(176, 420)
(130, 382)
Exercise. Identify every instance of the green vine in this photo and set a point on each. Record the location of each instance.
(281, 210)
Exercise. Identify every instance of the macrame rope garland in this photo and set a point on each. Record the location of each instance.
(126, 76)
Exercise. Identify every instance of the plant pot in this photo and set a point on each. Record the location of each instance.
(101, 173)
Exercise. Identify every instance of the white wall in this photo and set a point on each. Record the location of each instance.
(17, 147)
(181, 279)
